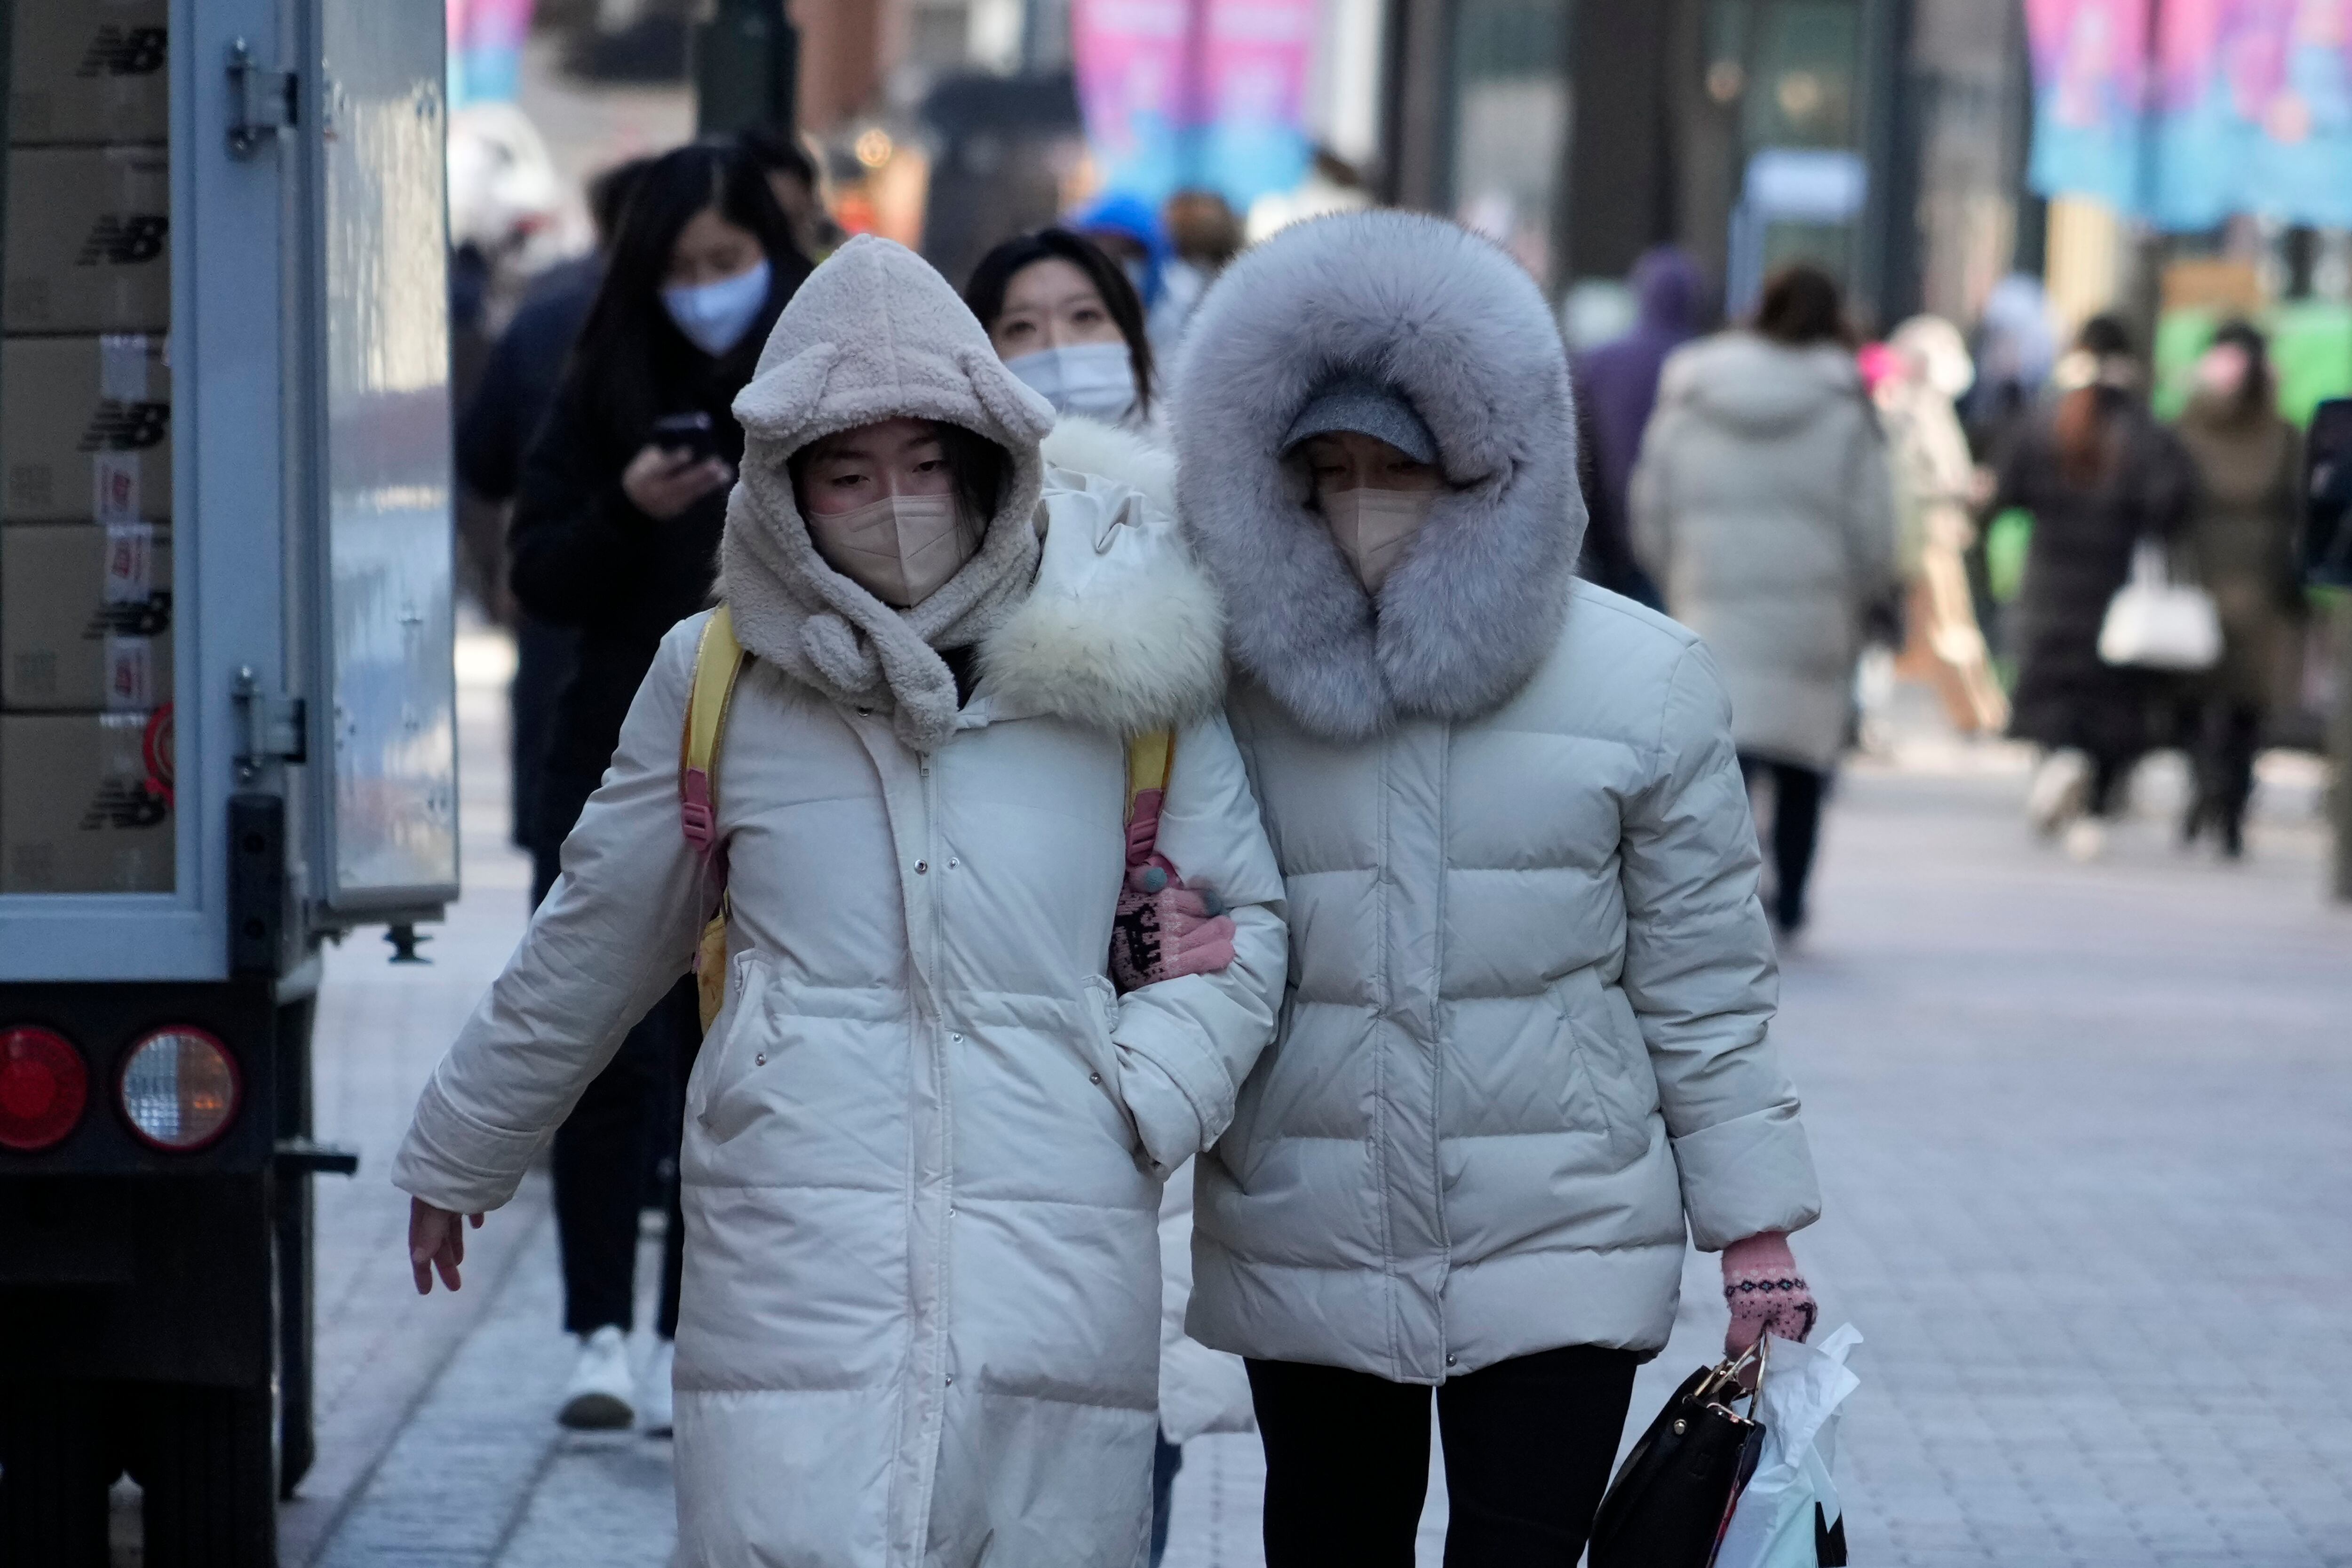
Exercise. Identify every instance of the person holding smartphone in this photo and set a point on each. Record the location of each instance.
(615, 533)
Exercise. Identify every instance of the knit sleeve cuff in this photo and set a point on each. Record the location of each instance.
(1750, 1175)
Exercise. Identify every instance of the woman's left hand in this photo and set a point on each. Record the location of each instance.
(1766, 1291)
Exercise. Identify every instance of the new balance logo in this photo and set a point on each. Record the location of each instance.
(119, 241)
(117, 426)
(124, 51)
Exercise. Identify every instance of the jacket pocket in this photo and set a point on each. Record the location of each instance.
(723, 1093)
(1099, 1002)
(1599, 1079)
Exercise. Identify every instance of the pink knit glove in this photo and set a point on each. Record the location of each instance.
(1165, 929)
(1766, 1291)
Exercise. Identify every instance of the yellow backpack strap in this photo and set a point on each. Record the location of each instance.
(1149, 758)
(717, 663)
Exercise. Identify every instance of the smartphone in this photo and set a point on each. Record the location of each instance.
(2327, 496)
(691, 432)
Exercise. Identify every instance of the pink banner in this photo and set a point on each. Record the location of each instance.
(1195, 93)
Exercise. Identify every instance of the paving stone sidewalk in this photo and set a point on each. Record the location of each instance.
(2085, 1133)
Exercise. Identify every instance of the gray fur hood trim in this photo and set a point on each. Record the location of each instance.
(1462, 330)
(1123, 631)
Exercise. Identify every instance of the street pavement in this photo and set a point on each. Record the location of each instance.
(2085, 1133)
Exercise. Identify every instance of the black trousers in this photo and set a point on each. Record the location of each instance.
(1797, 796)
(2225, 734)
(606, 1157)
(1529, 1445)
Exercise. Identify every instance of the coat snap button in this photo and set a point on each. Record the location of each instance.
(866, 712)
(954, 862)
(1450, 1360)
(957, 1038)
(759, 1060)
(921, 867)
(1094, 1078)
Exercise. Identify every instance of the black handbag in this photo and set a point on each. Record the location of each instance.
(1674, 1493)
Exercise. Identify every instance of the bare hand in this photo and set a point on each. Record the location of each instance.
(662, 482)
(436, 1240)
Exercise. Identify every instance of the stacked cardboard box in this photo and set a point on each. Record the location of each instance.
(85, 451)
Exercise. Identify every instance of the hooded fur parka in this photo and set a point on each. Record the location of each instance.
(1527, 1030)
(924, 1142)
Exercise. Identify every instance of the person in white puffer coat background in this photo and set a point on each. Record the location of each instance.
(925, 1140)
(1526, 1049)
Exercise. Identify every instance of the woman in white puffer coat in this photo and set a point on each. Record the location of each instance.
(1526, 1049)
(925, 1141)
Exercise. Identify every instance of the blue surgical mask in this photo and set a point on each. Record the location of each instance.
(1096, 380)
(715, 316)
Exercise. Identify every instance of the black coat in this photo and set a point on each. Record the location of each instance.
(2080, 555)
(584, 556)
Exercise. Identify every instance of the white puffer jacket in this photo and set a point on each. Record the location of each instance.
(1526, 1033)
(924, 1142)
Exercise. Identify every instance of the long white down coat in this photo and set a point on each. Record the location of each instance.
(1527, 1027)
(924, 1142)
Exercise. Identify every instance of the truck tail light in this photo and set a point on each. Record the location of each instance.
(43, 1086)
(179, 1090)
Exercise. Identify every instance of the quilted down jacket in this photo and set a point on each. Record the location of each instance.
(924, 1142)
(1526, 1036)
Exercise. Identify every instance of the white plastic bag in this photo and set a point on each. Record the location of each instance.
(1774, 1525)
(2156, 623)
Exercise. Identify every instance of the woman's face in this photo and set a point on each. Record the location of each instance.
(856, 467)
(2223, 369)
(1347, 460)
(1051, 304)
(711, 250)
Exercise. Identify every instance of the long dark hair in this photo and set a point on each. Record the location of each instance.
(628, 333)
(985, 293)
(2081, 425)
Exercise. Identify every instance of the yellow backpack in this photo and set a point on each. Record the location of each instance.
(719, 662)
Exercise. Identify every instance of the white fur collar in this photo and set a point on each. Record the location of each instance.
(1122, 631)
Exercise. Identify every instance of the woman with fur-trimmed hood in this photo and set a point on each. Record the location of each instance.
(926, 1136)
(1526, 1049)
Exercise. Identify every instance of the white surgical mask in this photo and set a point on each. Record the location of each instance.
(715, 316)
(899, 549)
(1372, 528)
(1096, 380)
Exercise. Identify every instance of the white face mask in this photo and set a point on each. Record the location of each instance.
(715, 316)
(1096, 380)
(1372, 528)
(899, 549)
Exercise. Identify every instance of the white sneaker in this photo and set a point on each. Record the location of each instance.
(2060, 784)
(597, 1397)
(653, 1388)
(2086, 839)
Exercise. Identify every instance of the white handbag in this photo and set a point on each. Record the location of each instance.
(2155, 623)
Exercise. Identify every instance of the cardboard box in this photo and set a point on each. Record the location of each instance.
(86, 429)
(85, 617)
(87, 71)
(90, 240)
(85, 803)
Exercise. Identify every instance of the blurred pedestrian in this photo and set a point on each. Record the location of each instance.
(616, 532)
(2098, 475)
(1617, 387)
(1764, 506)
(1129, 232)
(1526, 1036)
(1205, 234)
(509, 405)
(1926, 367)
(1066, 318)
(796, 179)
(925, 1143)
(2243, 538)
